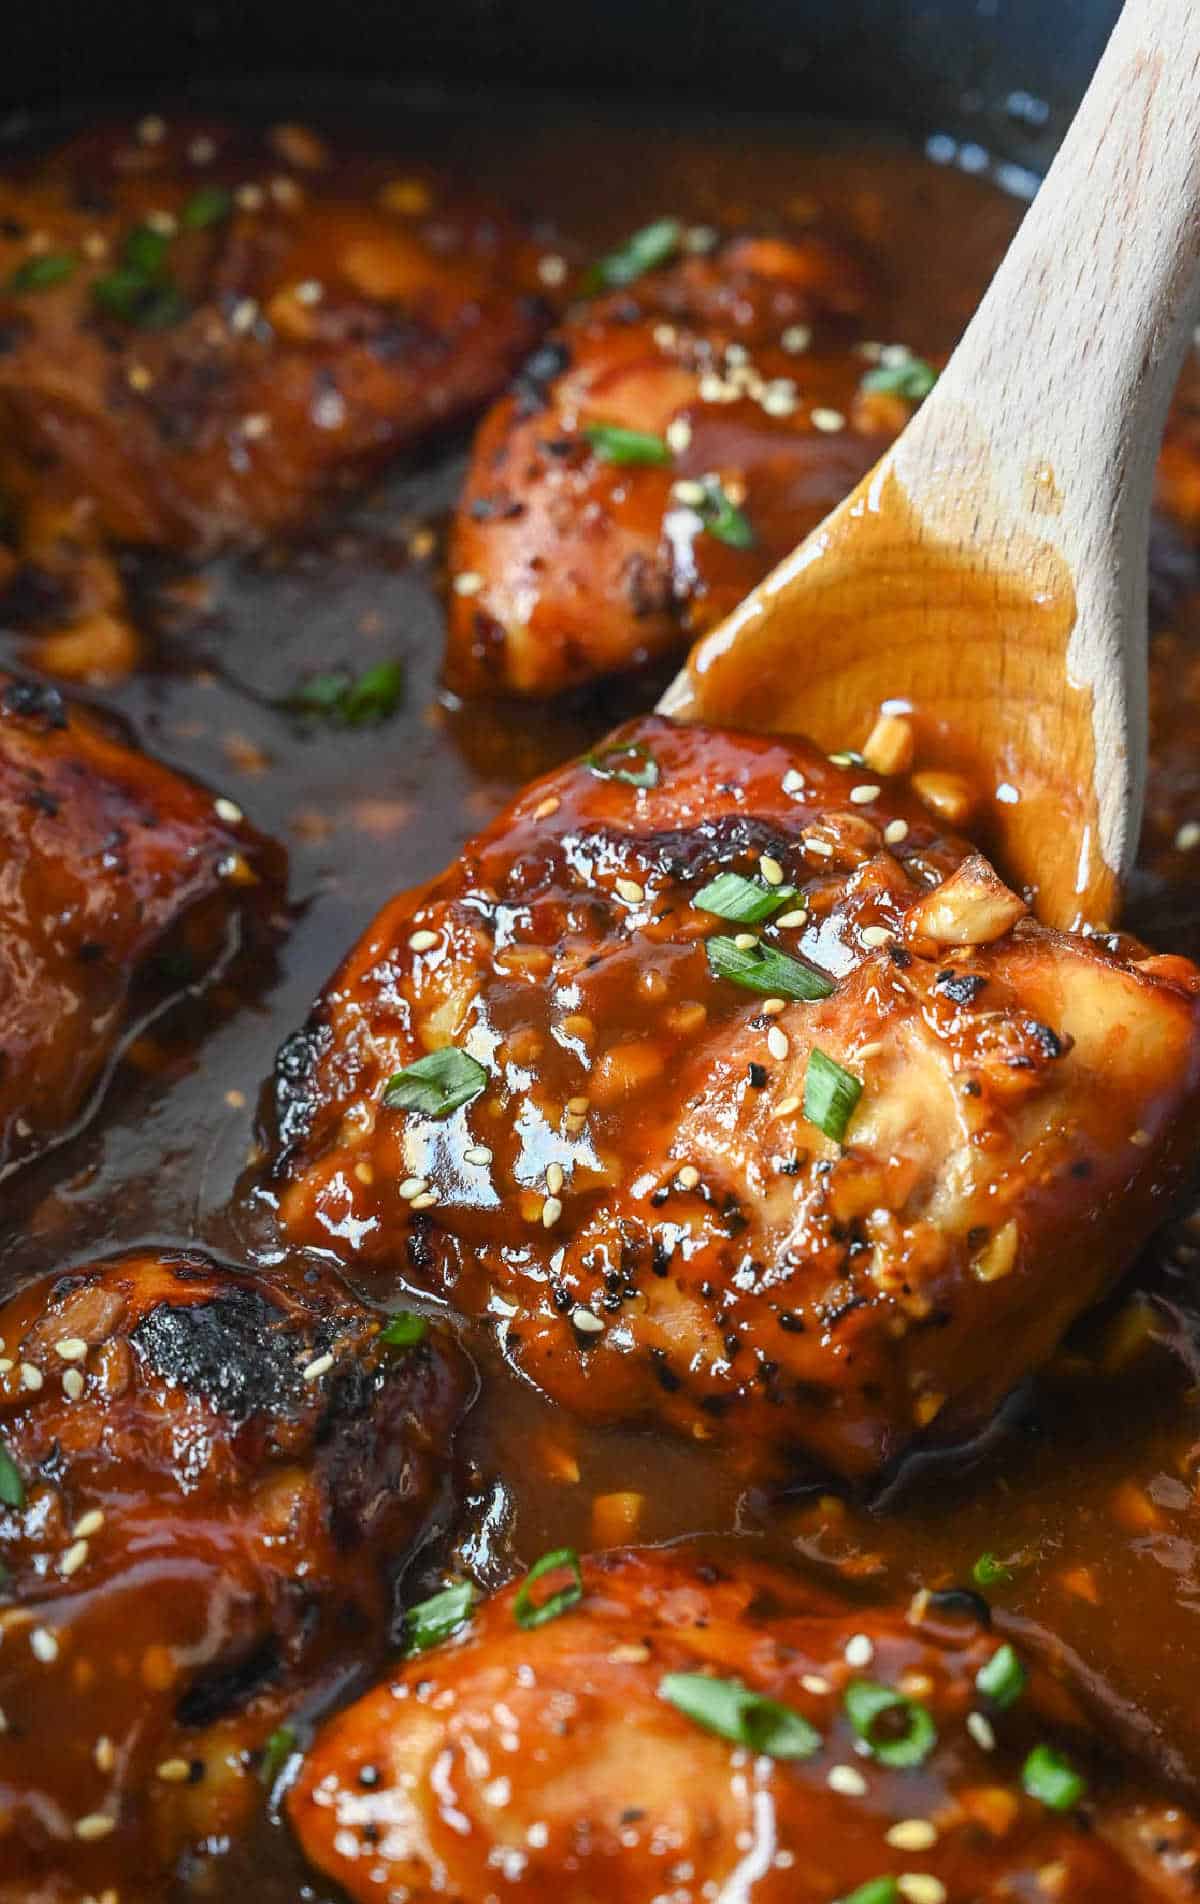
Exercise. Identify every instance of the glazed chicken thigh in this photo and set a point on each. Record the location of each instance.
(742, 1098)
(686, 1732)
(205, 332)
(208, 1485)
(122, 881)
(659, 454)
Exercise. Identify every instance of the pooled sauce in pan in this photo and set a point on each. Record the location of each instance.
(1078, 1514)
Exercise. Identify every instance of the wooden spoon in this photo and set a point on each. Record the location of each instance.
(990, 573)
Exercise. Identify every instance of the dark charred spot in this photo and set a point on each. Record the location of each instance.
(532, 384)
(1046, 1039)
(962, 987)
(229, 1685)
(295, 1095)
(757, 1074)
(35, 702)
(235, 1351)
(664, 1373)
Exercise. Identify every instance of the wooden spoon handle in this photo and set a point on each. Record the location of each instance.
(1105, 270)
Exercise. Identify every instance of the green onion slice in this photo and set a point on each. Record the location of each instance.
(733, 1712)
(761, 968)
(909, 1735)
(139, 299)
(353, 700)
(145, 251)
(651, 246)
(874, 1891)
(1003, 1679)
(436, 1085)
(12, 1488)
(43, 272)
(404, 1330)
(528, 1611)
(831, 1094)
(990, 1572)
(624, 760)
(912, 378)
(724, 520)
(745, 901)
(276, 1753)
(434, 1620)
(1052, 1779)
(615, 444)
(211, 205)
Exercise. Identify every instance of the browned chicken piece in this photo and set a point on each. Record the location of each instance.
(205, 332)
(122, 882)
(689, 1731)
(208, 1484)
(659, 455)
(744, 1099)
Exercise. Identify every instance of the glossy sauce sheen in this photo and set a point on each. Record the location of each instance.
(1086, 1491)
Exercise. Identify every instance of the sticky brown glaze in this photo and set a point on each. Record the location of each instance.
(303, 321)
(122, 882)
(549, 1763)
(221, 1478)
(637, 1197)
(564, 565)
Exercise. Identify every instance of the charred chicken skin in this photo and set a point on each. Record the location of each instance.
(210, 1482)
(687, 1732)
(745, 1099)
(658, 455)
(203, 333)
(122, 881)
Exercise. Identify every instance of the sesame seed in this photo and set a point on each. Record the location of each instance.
(422, 941)
(202, 151)
(255, 426)
(980, 1729)
(104, 1753)
(796, 338)
(821, 848)
(862, 796)
(88, 1524)
(687, 1177)
(249, 197)
(1141, 1138)
(828, 421)
(309, 291)
(859, 1650)
(244, 316)
(152, 130)
(96, 1824)
(426, 1199)
(546, 807)
(779, 397)
(43, 1645)
(72, 1382)
(876, 935)
(815, 1684)
(31, 1377)
(320, 1365)
(736, 354)
(554, 1178)
(665, 336)
(586, 1322)
(468, 583)
(6, 1364)
(777, 1043)
(552, 269)
(793, 781)
(72, 1348)
(772, 1007)
(770, 869)
(786, 1106)
(551, 1211)
(847, 1780)
(95, 246)
(174, 1771)
(912, 1834)
(630, 890)
(1188, 836)
(745, 940)
(635, 1653)
(679, 435)
(915, 1887)
(689, 492)
(285, 191)
(578, 1106)
(138, 377)
(164, 224)
(74, 1558)
(228, 810)
(477, 1154)
(412, 1187)
(364, 1171)
(895, 831)
(700, 238)
(797, 917)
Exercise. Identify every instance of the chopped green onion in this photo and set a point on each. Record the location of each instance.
(436, 1085)
(1052, 1779)
(746, 901)
(209, 206)
(404, 1330)
(371, 696)
(43, 272)
(276, 1753)
(912, 378)
(1003, 1679)
(651, 246)
(874, 1891)
(733, 1712)
(866, 1703)
(145, 251)
(614, 444)
(529, 1612)
(990, 1572)
(137, 299)
(830, 1094)
(761, 968)
(613, 763)
(723, 519)
(12, 1488)
(434, 1620)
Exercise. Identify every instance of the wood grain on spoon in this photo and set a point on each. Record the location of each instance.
(991, 571)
